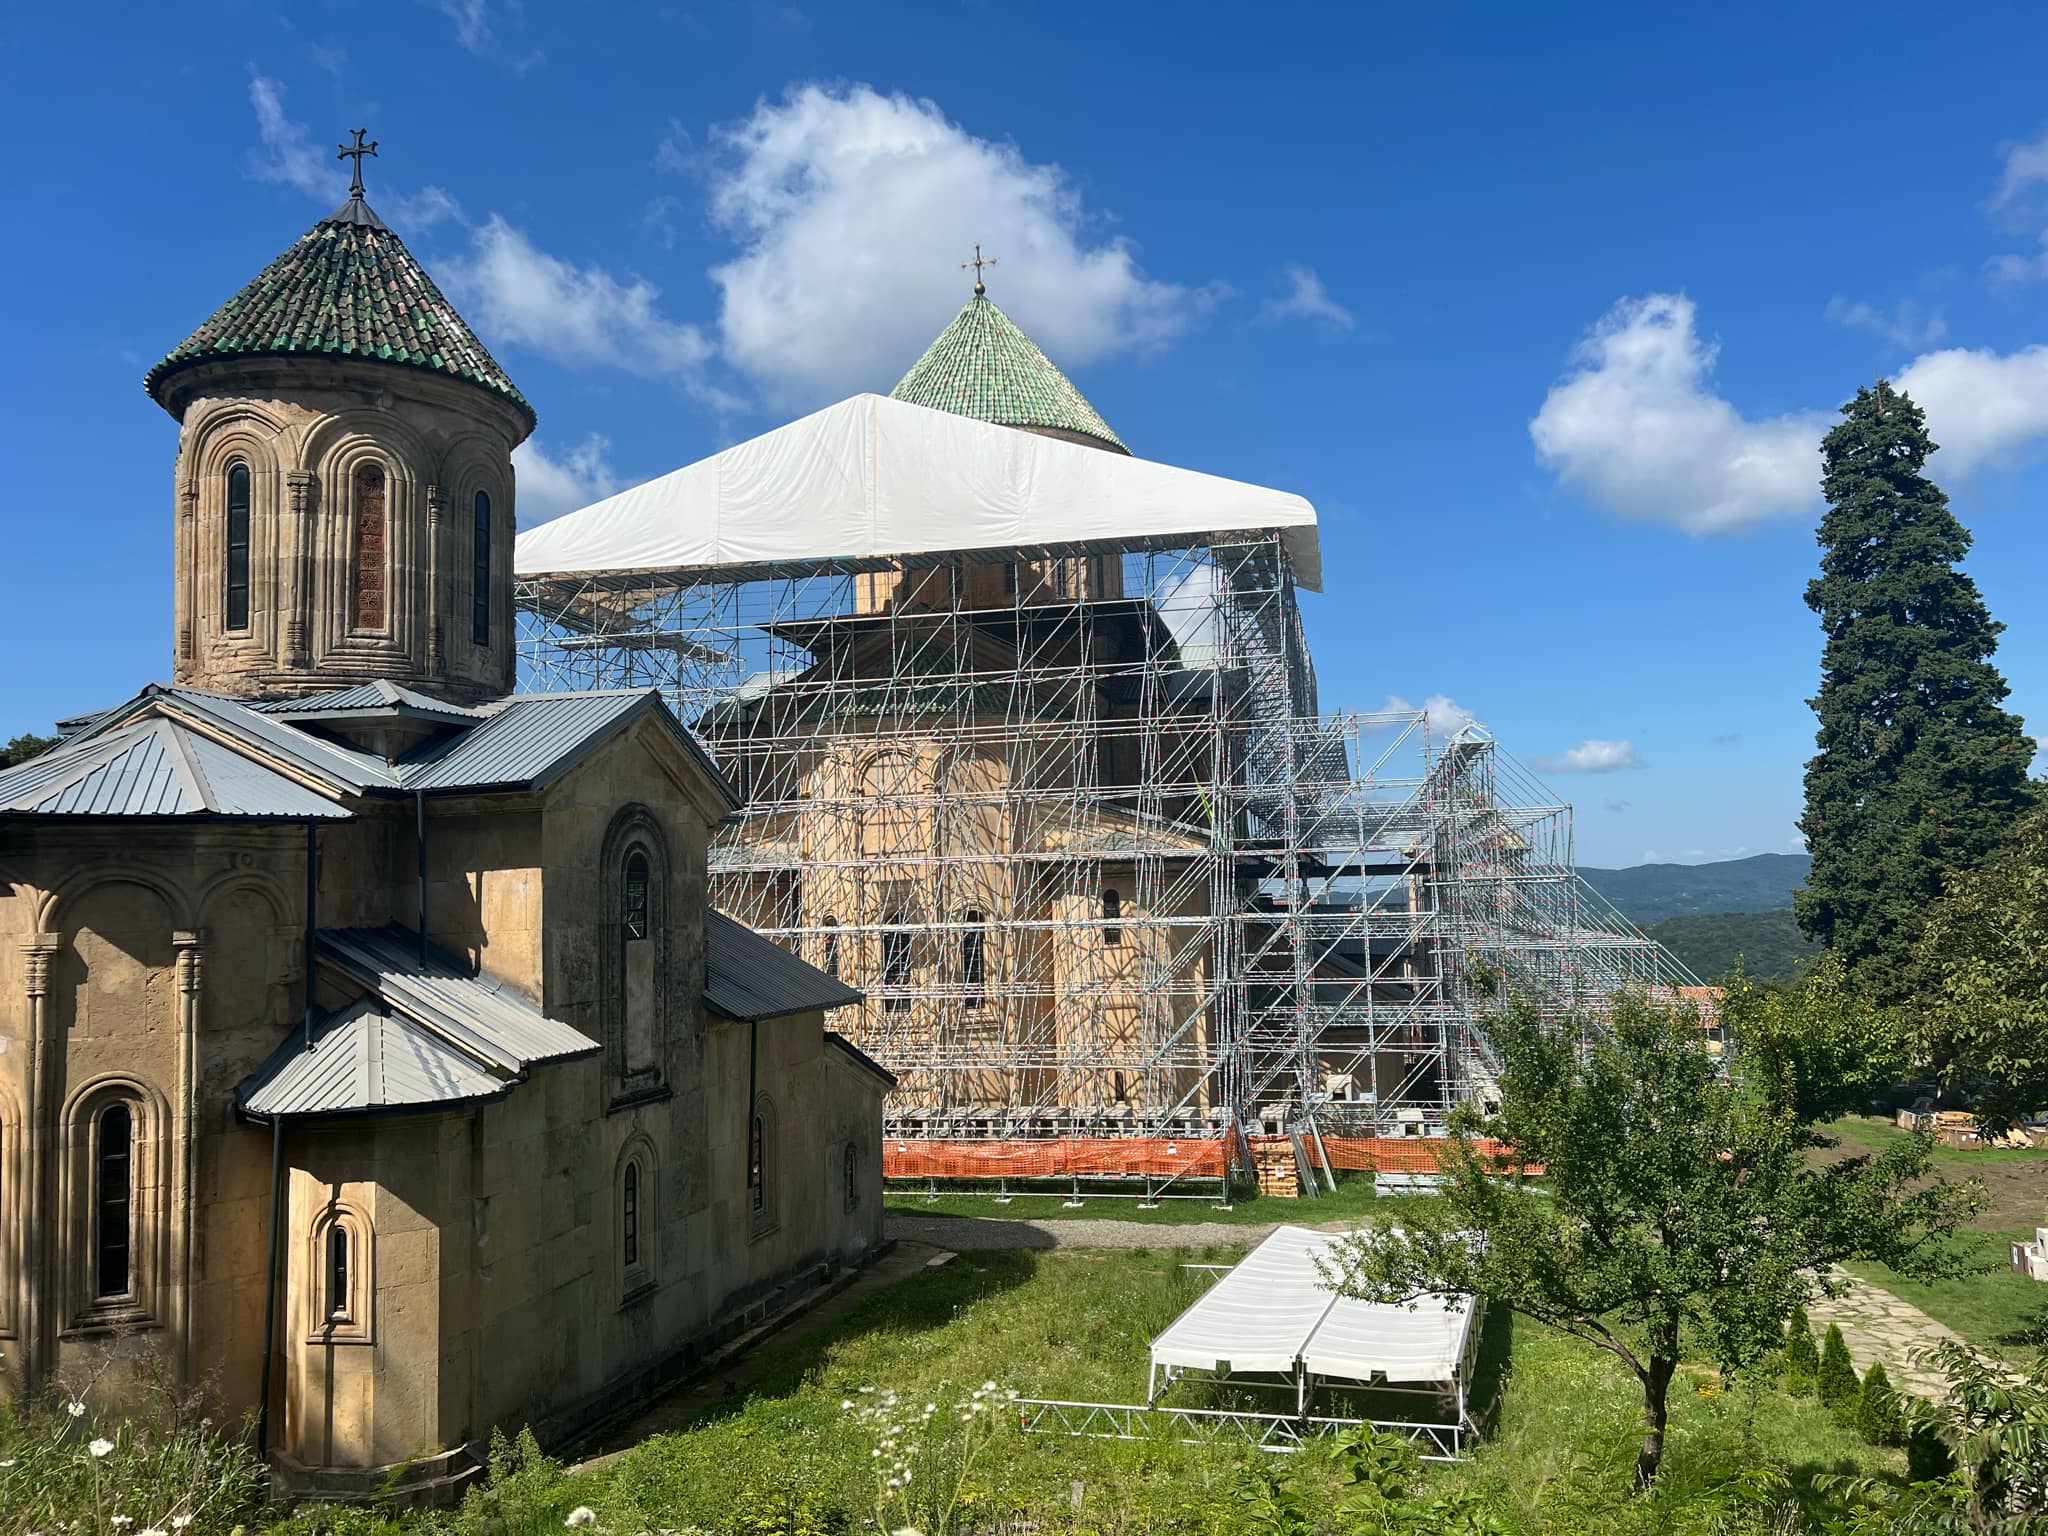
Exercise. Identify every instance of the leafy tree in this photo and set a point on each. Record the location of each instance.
(1919, 772)
(1802, 1360)
(24, 747)
(1835, 1382)
(1878, 1416)
(1820, 1047)
(1681, 1209)
(1987, 945)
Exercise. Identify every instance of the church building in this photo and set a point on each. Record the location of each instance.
(371, 1059)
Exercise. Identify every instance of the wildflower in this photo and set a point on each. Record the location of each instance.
(121, 1522)
(179, 1522)
(581, 1516)
(988, 1386)
(75, 1408)
(152, 1530)
(100, 1447)
(845, 1403)
(895, 1482)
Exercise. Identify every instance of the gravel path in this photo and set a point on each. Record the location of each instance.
(962, 1233)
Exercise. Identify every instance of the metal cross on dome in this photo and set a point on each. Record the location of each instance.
(978, 263)
(355, 152)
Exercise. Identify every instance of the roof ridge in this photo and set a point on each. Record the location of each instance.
(182, 758)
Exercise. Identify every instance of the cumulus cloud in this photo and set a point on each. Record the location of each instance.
(1982, 406)
(1907, 325)
(2017, 202)
(550, 486)
(1590, 757)
(852, 210)
(1307, 299)
(578, 316)
(288, 154)
(1636, 427)
(1443, 713)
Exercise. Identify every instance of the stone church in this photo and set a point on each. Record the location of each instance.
(370, 1057)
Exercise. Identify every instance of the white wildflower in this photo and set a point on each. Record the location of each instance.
(581, 1516)
(75, 1408)
(845, 1403)
(153, 1530)
(121, 1522)
(988, 1386)
(100, 1447)
(895, 1482)
(179, 1522)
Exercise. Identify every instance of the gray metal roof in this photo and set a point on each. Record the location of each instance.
(365, 1059)
(378, 696)
(749, 977)
(481, 1014)
(155, 766)
(860, 1057)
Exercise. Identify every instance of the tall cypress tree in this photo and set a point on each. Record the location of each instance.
(1920, 772)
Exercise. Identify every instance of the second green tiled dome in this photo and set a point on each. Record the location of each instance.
(983, 366)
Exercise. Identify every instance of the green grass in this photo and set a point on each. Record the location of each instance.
(1992, 1309)
(1353, 1199)
(1867, 1133)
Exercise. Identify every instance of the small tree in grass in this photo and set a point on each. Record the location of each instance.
(1681, 1212)
(1835, 1382)
(1878, 1416)
(1802, 1360)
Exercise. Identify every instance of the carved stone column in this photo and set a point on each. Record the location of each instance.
(185, 579)
(38, 1161)
(437, 504)
(189, 946)
(298, 565)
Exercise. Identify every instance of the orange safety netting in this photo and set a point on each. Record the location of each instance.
(1399, 1154)
(1154, 1156)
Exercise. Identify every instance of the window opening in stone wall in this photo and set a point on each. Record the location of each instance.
(895, 969)
(337, 1274)
(112, 1190)
(974, 960)
(629, 1216)
(236, 607)
(480, 573)
(830, 963)
(1112, 912)
(850, 1171)
(757, 1166)
(370, 539)
(634, 905)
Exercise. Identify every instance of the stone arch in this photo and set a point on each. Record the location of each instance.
(82, 1128)
(249, 999)
(337, 448)
(763, 1166)
(636, 1212)
(55, 905)
(338, 1304)
(471, 467)
(634, 969)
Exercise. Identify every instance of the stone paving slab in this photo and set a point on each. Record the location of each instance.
(1876, 1325)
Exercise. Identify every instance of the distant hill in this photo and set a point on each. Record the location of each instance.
(1649, 893)
(1770, 944)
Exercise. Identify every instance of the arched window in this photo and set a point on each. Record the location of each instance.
(757, 1165)
(112, 1192)
(235, 608)
(830, 961)
(629, 1216)
(339, 1303)
(974, 960)
(370, 538)
(480, 573)
(633, 902)
(1112, 912)
(896, 968)
(849, 1166)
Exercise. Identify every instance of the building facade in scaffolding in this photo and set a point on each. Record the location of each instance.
(1032, 754)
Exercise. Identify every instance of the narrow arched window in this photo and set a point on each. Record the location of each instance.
(633, 906)
(629, 1216)
(236, 606)
(757, 1166)
(974, 960)
(337, 1274)
(850, 1171)
(830, 964)
(368, 483)
(1112, 913)
(896, 970)
(112, 1198)
(480, 573)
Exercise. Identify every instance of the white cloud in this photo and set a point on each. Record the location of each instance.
(2026, 167)
(1444, 715)
(412, 213)
(853, 209)
(548, 486)
(472, 20)
(1906, 326)
(577, 316)
(1590, 757)
(1636, 428)
(1307, 299)
(2018, 203)
(1982, 406)
(1615, 805)
(288, 155)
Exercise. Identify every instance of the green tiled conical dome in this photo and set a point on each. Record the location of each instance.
(983, 366)
(347, 287)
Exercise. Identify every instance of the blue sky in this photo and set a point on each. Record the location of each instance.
(1544, 309)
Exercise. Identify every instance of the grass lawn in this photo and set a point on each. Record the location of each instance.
(1353, 1198)
(1076, 1324)
(1991, 1309)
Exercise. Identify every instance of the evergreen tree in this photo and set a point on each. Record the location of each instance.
(1802, 1360)
(1879, 1419)
(1835, 1382)
(1919, 772)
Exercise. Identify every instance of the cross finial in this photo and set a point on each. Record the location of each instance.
(980, 261)
(355, 152)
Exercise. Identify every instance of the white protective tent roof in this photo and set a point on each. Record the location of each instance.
(1273, 1310)
(872, 476)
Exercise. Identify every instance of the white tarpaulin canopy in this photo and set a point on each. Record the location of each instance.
(872, 476)
(1273, 1311)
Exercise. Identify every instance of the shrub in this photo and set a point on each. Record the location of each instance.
(1802, 1360)
(1835, 1382)
(1878, 1418)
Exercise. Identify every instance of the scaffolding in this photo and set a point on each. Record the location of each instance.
(1118, 893)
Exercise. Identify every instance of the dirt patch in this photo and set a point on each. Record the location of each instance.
(2015, 1182)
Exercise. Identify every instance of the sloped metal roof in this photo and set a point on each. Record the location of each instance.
(379, 695)
(860, 1057)
(750, 977)
(365, 1059)
(481, 1014)
(151, 767)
